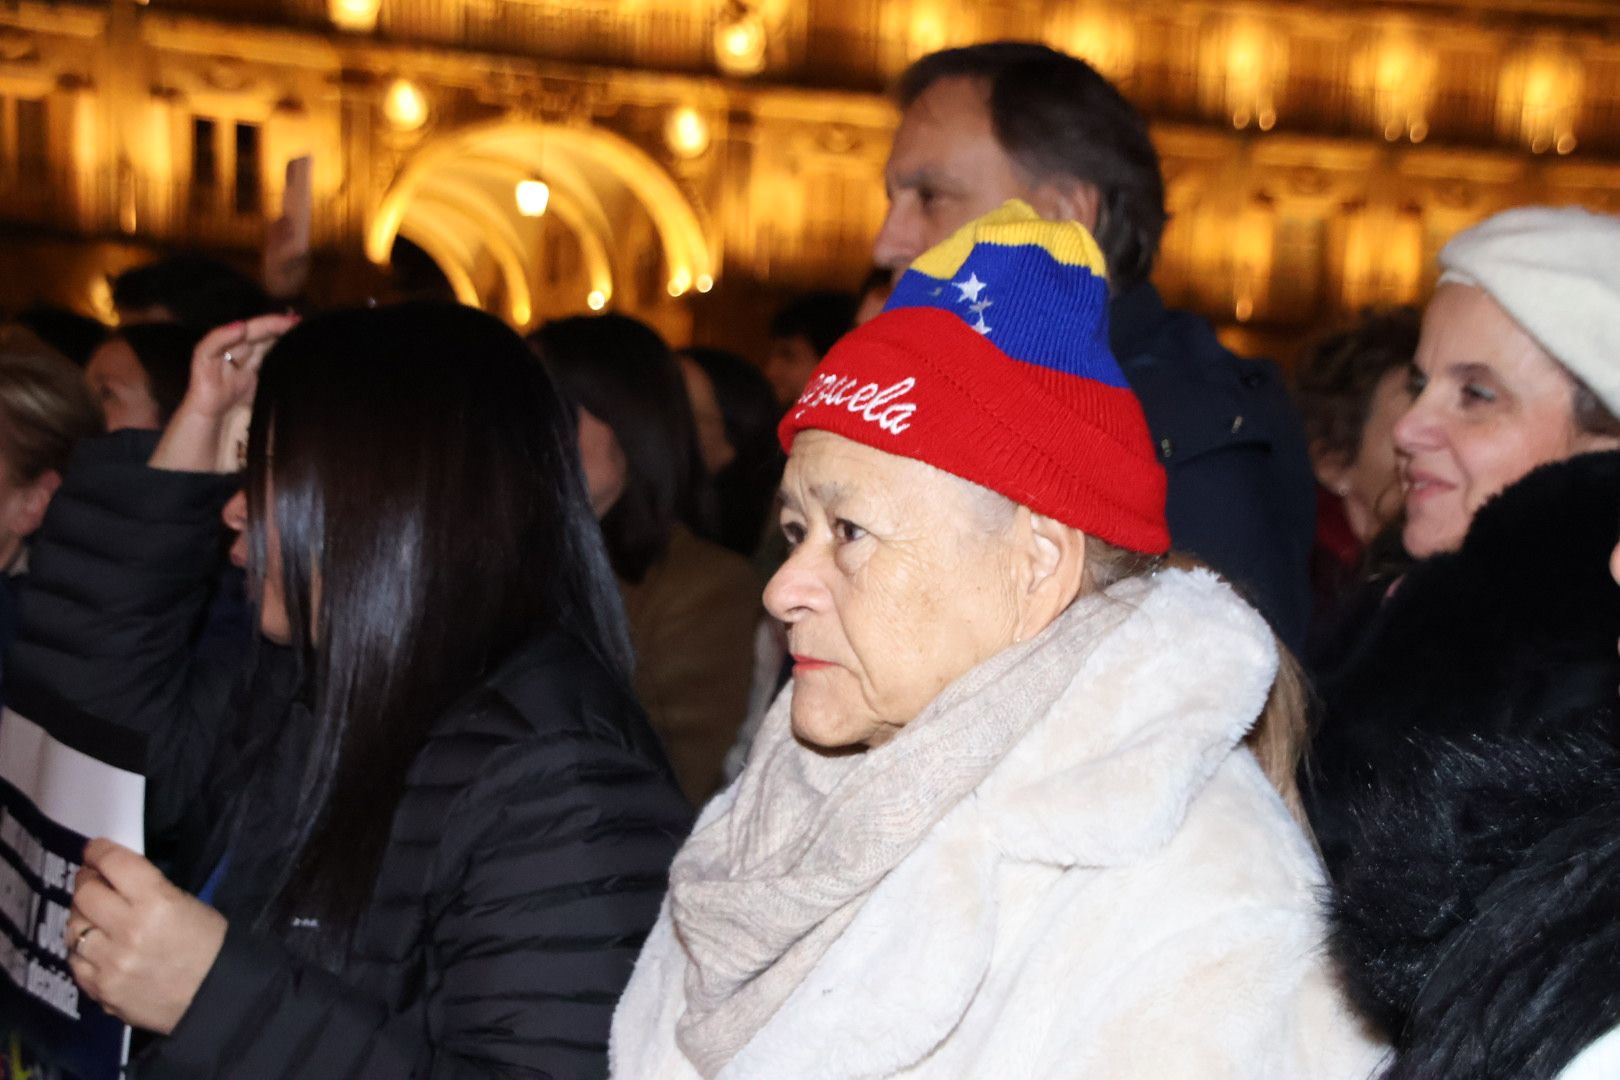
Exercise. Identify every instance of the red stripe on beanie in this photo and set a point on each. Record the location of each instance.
(921, 383)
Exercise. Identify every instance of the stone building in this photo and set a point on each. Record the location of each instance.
(690, 161)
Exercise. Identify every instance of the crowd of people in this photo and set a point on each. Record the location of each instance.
(1001, 678)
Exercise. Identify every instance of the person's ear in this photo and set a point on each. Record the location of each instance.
(28, 512)
(1330, 466)
(1054, 556)
(1067, 199)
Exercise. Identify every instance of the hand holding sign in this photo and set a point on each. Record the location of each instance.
(138, 945)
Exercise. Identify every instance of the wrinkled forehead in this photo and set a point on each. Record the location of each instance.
(832, 472)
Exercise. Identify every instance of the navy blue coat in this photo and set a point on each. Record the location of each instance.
(1242, 497)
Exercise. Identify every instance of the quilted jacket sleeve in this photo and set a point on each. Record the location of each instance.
(551, 869)
(120, 576)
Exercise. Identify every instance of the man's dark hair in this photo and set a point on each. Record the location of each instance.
(198, 291)
(73, 335)
(821, 318)
(1056, 116)
(164, 351)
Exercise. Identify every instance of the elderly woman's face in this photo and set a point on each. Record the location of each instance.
(900, 580)
(1490, 405)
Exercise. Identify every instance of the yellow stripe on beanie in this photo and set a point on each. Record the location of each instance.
(1012, 224)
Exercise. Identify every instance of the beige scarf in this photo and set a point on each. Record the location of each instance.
(760, 893)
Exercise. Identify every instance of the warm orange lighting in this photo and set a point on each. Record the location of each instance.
(1397, 76)
(680, 282)
(597, 300)
(533, 196)
(704, 283)
(1105, 40)
(1541, 96)
(404, 106)
(739, 44)
(926, 33)
(356, 15)
(1240, 71)
(686, 132)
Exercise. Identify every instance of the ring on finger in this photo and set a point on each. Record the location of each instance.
(78, 942)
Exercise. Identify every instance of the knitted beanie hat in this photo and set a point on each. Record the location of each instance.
(1557, 273)
(991, 361)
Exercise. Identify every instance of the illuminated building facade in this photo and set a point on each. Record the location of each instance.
(689, 160)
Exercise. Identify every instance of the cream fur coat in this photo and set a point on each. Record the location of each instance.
(1122, 896)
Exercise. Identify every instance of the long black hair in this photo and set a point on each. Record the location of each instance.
(620, 371)
(418, 467)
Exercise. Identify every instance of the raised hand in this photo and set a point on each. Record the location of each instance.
(136, 944)
(224, 375)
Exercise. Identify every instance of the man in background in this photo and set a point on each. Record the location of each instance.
(992, 122)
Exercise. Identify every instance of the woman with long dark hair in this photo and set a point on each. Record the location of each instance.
(692, 605)
(435, 826)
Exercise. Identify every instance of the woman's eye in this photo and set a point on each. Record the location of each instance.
(1477, 393)
(1415, 382)
(793, 532)
(847, 532)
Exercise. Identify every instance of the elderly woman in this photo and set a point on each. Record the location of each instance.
(1002, 823)
(1464, 788)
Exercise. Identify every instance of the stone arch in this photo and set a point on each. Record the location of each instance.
(454, 197)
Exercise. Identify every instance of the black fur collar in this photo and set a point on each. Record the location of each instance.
(1468, 791)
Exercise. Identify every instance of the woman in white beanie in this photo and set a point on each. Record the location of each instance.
(1466, 785)
(1518, 365)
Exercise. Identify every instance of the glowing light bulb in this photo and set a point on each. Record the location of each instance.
(704, 283)
(686, 132)
(404, 106)
(533, 196)
(358, 15)
(680, 281)
(596, 301)
(739, 44)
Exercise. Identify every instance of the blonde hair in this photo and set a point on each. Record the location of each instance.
(45, 406)
(1279, 737)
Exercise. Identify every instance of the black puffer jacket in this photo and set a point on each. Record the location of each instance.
(1468, 791)
(528, 854)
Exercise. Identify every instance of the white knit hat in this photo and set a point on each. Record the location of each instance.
(1557, 272)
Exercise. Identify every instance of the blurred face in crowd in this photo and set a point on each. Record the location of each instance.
(901, 579)
(1489, 406)
(946, 168)
(274, 622)
(22, 508)
(788, 366)
(1370, 485)
(715, 448)
(602, 458)
(119, 384)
